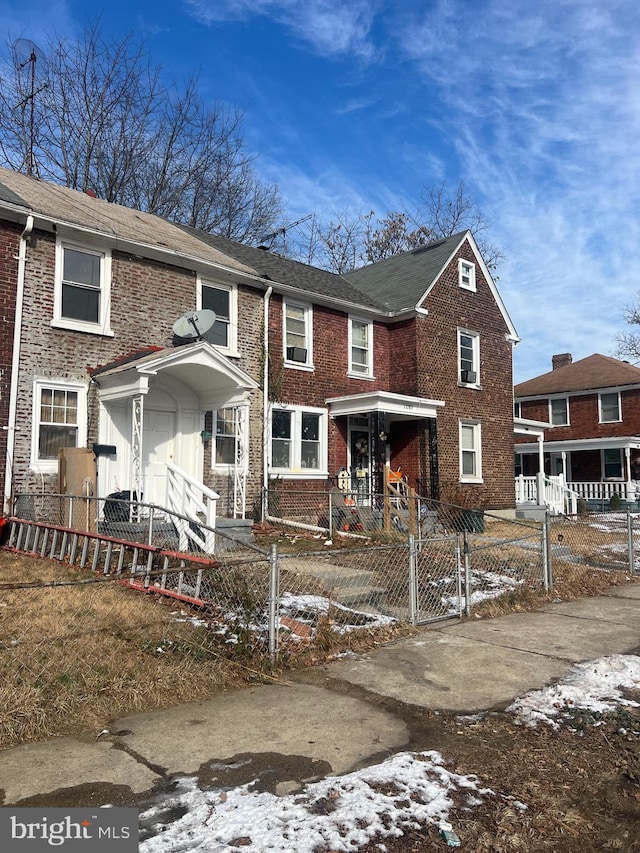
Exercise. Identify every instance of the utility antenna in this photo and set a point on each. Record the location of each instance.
(267, 241)
(25, 53)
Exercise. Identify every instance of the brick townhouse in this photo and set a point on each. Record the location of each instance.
(592, 407)
(296, 374)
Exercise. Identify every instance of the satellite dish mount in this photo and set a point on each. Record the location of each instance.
(194, 325)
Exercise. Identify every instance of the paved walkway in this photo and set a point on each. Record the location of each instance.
(328, 720)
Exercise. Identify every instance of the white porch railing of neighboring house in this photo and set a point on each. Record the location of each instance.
(187, 497)
(559, 497)
(555, 493)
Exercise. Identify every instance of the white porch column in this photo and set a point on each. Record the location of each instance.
(137, 411)
(541, 454)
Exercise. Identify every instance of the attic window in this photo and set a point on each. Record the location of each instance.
(466, 274)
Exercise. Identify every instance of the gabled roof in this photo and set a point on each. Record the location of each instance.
(588, 374)
(400, 282)
(61, 205)
(277, 269)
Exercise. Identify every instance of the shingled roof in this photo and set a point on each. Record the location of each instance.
(588, 374)
(276, 268)
(398, 283)
(64, 205)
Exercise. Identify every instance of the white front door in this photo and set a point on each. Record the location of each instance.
(158, 446)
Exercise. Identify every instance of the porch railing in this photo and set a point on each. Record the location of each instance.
(555, 493)
(187, 497)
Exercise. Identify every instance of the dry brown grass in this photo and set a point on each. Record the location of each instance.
(73, 657)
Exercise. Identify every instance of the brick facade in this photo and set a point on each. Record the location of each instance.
(415, 355)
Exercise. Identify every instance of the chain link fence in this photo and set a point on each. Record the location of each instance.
(79, 642)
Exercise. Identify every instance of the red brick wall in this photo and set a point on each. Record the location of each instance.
(451, 307)
(417, 356)
(583, 417)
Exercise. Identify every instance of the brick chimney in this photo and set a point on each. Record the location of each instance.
(561, 360)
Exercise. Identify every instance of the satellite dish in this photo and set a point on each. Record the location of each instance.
(194, 324)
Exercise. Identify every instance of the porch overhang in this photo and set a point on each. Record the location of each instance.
(397, 407)
(214, 379)
(535, 429)
(630, 442)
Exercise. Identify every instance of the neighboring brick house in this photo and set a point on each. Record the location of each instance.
(408, 361)
(592, 407)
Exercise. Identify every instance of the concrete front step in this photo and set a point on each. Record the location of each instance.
(355, 596)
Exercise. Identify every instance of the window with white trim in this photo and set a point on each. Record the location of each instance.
(360, 347)
(82, 289)
(470, 452)
(466, 274)
(58, 421)
(609, 407)
(222, 300)
(468, 358)
(299, 441)
(612, 463)
(228, 437)
(559, 411)
(297, 335)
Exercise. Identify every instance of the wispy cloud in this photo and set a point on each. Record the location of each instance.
(331, 28)
(543, 109)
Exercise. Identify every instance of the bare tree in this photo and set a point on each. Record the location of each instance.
(106, 121)
(628, 342)
(352, 239)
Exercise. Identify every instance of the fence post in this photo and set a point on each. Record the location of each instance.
(413, 581)
(330, 515)
(631, 548)
(467, 574)
(547, 570)
(150, 531)
(274, 602)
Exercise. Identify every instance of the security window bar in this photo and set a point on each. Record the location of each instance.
(58, 423)
(81, 277)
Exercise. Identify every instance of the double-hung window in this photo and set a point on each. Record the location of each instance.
(468, 358)
(559, 411)
(58, 421)
(470, 452)
(612, 463)
(609, 408)
(299, 441)
(229, 439)
(466, 274)
(222, 300)
(82, 289)
(360, 347)
(298, 321)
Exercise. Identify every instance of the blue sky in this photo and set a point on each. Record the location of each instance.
(359, 105)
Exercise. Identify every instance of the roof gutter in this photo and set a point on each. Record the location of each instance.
(15, 366)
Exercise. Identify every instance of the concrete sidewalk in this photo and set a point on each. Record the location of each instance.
(331, 720)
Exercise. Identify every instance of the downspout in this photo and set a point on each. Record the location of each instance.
(265, 404)
(15, 366)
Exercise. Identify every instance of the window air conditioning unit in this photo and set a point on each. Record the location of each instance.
(297, 354)
(468, 376)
